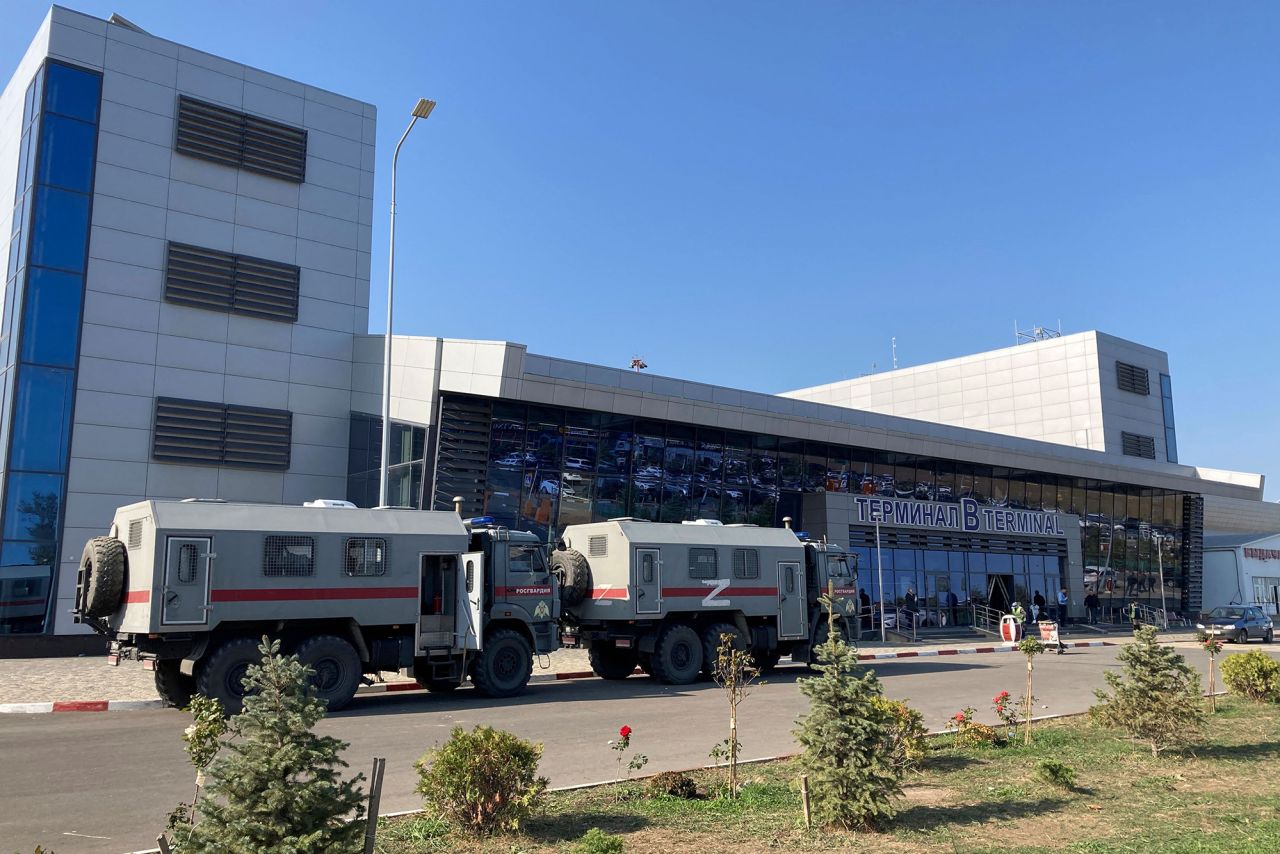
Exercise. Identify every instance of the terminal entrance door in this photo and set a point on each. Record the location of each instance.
(999, 589)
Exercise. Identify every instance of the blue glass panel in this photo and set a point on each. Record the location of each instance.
(71, 92)
(59, 229)
(33, 506)
(25, 149)
(66, 153)
(41, 419)
(51, 319)
(25, 577)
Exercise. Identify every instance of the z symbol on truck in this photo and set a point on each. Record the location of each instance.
(710, 601)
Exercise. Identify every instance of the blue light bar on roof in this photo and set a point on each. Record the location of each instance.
(479, 521)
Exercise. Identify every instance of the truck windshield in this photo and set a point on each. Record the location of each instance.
(839, 568)
(525, 557)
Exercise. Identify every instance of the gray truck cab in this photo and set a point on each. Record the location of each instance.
(829, 567)
(520, 593)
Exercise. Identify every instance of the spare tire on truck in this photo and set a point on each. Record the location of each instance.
(574, 574)
(102, 565)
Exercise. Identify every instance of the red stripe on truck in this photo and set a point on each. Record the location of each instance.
(299, 594)
(609, 593)
(14, 603)
(703, 592)
(134, 597)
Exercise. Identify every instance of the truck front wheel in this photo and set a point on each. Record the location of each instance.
(335, 666)
(174, 687)
(504, 666)
(609, 662)
(677, 657)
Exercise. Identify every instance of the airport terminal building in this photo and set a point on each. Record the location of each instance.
(186, 309)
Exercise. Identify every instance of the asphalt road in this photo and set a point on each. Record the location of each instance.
(104, 782)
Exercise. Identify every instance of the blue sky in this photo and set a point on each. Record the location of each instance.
(762, 194)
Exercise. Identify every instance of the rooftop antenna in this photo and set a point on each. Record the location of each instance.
(1035, 333)
(893, 342)
(638, 364)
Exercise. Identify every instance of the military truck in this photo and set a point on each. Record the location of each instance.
(661, 595)
(190, 587)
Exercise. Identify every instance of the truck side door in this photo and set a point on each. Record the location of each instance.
(648, 581)
(186, 581)
(470, 591)
(793, 618)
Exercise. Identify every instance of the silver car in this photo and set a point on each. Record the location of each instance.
(1237, 623)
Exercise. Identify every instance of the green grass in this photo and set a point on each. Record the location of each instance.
(1219, 795)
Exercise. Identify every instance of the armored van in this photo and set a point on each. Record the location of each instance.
(661, 595)
(190, 587)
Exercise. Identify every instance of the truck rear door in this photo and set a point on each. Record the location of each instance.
(793, 619)
(648, 581)
(186, 581)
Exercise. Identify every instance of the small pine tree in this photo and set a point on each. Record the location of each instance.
(277, 789)
(1157, 699)
(852, 777)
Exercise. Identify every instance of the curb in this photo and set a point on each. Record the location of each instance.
(397, 687)
(926, 653)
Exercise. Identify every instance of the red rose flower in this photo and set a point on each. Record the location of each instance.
(625, 732)
(959, 716)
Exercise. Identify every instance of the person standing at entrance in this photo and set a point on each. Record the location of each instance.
(864, 606)
(1063, 602)
(1091, 608)
(1037, 607)
(909, 604)
(953, 605)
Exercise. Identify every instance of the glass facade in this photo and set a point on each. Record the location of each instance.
(40, 333)
(1170, 432)
(408, 463)
(541, 468)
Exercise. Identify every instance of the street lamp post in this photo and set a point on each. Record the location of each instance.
(421, 110)
(1159, 539)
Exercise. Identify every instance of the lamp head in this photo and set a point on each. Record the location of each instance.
(423, 108)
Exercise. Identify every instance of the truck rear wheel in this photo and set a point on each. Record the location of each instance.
(609, 662)
(174, 687)
(336, 669)
(766, 662)
(221, 675)
(677, 657)
(574, 574)
(504, 666)
(711, 638)
(102, 565)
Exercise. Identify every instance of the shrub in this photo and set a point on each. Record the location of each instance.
(905, 742)
(278, 786)
(482, 781)
(1056, 773)
(852, 781)
(1253, 674)
(596, 841)
(970, 733)
(675, 784)
(1157, 699)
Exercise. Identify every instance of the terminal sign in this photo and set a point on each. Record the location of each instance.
(968, 515)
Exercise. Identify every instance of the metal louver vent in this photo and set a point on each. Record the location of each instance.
(462, 455)
(237, 139)
(201, 433)
(221, 281)
(1132, 378)
(598, 546)
(135, 534)
(1133, 445)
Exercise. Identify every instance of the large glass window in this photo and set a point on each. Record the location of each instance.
(66, 153)
(33, 507)
(71, 92)
(51, 318)
(42, 419)
(59, 229)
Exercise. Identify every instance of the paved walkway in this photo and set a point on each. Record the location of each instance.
(85, 678)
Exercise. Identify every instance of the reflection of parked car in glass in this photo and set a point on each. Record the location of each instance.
(1099, 578)
(551, 487)
(1237, 623)
(577, 463)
